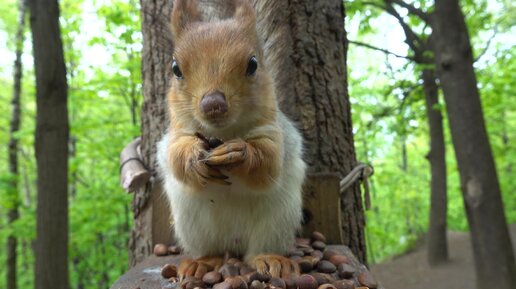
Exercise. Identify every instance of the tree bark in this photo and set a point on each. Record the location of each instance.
(14, 197)
(320, 104)
(306, 55)
(494, 258)
(437, 246)
(156, 59)
(52, 131)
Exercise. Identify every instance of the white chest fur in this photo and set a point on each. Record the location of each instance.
(236, 218)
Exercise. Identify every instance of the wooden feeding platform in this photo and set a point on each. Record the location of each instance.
(322, 267)
(349, 274)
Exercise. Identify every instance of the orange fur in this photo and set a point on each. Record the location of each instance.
(199, 267)
(276, 266)
(255, 160)
(223, 89)
(186, 155)
(184, 13)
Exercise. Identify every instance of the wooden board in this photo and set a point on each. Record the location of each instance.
(321, 202)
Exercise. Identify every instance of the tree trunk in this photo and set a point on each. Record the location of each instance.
(305, 53)
(494, 258)
(51, 246)
(320, 104)
(156, 59)
(437, 245)
(14, 197)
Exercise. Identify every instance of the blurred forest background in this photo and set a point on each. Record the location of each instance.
(102, 42)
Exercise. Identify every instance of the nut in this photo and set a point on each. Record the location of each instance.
(344, 284)
(366, 279)
(237, 282)
(323, 278)
(318, 245)
(338, 259)
(212, 278)
(328, 253)
(160, 250)
(306, 282)
(169, 271)
(223, 285)
(318, 236)
(326, 267)
(317, 254)
(326, 286)
(278, 282)
(345, 271)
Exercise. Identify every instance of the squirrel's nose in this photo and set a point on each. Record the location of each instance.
(214, 104)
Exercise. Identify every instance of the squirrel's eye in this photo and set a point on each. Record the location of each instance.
(252, 66)
(176, 70)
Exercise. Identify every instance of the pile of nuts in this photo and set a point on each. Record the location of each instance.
(321, 268)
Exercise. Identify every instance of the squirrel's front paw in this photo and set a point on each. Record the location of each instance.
(199, 174)
(187, 158)
(228, 155)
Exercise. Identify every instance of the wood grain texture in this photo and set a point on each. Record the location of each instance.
(321, 198)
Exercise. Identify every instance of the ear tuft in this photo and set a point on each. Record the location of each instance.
(244, 13)
(184, 13)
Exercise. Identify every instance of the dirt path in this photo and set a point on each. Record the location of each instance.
(411, 271)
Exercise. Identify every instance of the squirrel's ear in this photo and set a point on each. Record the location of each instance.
(184, 12)
(244, 13)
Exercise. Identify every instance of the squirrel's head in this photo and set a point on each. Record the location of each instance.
(219, 79)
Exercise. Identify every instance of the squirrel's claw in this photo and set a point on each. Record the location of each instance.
(229, 153)
(207, 174)
(198, 267)
(276, 266)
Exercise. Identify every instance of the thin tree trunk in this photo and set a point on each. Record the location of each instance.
(52, 131)
(14, 198)
(494, 257)
(27, 191)
(437, 245)
(404, 158)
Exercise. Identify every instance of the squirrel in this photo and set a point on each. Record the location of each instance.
(243, 194)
